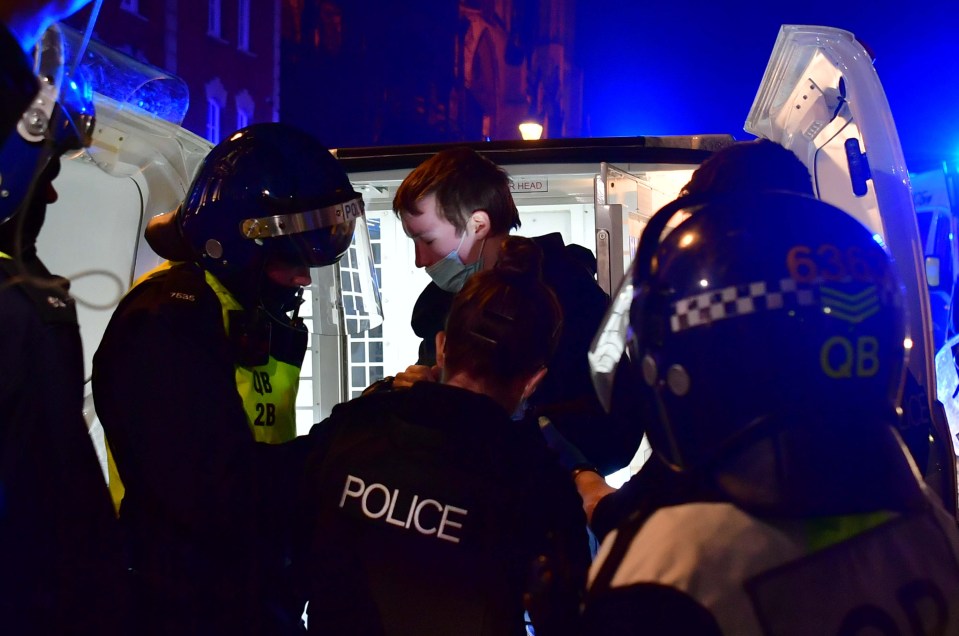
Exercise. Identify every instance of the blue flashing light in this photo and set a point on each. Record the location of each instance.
(878, 239)
(77, 93)
(129, 82)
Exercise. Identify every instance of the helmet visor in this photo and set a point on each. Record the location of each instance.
(609, 346)
(346, 295)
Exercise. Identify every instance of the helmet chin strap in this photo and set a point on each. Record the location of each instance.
(277, 301)
(265, 307)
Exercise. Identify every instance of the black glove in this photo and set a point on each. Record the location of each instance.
(570, 457)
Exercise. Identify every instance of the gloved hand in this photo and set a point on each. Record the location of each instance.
(570, 457)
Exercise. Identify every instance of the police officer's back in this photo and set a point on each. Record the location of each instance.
(769, 331)
(430, 509)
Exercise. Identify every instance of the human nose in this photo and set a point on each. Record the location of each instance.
(422, 257)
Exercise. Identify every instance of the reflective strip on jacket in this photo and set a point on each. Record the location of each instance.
(831, 575)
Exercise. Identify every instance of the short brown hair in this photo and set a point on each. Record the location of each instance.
(464, 181)
(506, 322)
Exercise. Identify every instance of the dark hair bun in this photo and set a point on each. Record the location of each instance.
(521, 258)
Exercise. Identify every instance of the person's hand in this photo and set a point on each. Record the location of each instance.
(592, 487)
(590, 484)
(416, 373)
(569, 455)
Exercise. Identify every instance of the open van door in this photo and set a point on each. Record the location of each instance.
(140, 163)
(821, 98)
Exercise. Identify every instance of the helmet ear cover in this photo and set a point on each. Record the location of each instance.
(648, 331)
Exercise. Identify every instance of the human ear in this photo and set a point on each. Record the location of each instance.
(440, 342)
(479, 222)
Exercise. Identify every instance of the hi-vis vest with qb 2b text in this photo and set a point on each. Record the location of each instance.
(268, 391)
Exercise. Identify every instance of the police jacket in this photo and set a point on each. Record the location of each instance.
(809, 526)
(431, 512)
(712, 568)
(61, 567)
(202, 497)
(566, 394)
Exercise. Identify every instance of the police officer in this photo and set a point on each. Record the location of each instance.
(22, 25)
(746, 166)
(770, 330)
(200, 361)
(431, 511)
(61, 566)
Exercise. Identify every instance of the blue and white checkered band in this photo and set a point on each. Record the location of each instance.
(740, 300)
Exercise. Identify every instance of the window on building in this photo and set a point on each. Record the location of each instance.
(133, 6)
(244, 109)
(243, 25)
(213, 110)
(213, 23)
(216, 97)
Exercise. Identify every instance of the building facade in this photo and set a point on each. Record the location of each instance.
(364, 72)
(227, 52)
(378, 72)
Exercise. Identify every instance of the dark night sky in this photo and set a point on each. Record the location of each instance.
(694, 67)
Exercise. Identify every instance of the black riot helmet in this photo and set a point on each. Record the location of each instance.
(756, 310)
(60, 119)
(268, 192)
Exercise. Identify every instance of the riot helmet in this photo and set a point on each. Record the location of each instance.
(60, 119)
(269, 192)
(756, 310)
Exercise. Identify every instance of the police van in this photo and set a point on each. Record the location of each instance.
(820, 97)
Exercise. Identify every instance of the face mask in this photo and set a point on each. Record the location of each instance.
(450, 274)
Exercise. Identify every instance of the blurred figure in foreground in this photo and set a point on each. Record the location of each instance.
(430, 510)
(61, 565)
(770, 331)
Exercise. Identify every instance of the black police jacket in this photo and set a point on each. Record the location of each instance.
(61, 567)
(566, 394)
(201, 494)
(429, 511)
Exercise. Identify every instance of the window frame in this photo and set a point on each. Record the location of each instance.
(214, 19)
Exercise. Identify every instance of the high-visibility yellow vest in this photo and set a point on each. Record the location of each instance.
(268, 391)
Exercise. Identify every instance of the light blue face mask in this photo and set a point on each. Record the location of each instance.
(450, 274)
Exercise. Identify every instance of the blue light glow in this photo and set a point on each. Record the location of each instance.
(652, 80)
(878, 239)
